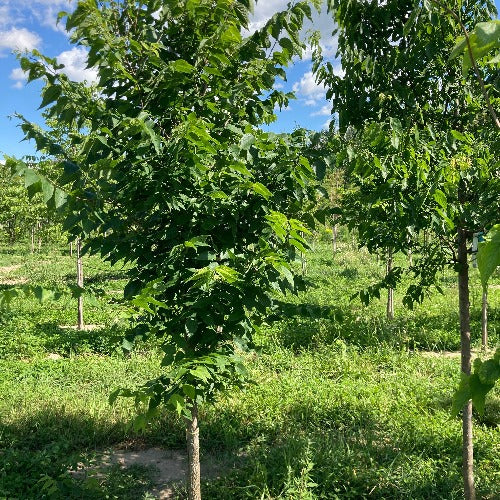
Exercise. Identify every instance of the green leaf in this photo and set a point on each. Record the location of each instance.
(200, 372)
(182, 66)
(440, 198)
(189, 391)
(177, 402)
(259, 188)
(459, 136)
(50, 94)
(461, 396)
(478, 392)
(47, 190)
(488, 254)
(60, 198)
(227, 273)
(246, 141)
(488, 371)
(459, 47)
(30, 177)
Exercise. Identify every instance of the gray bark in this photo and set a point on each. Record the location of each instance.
(484, 320)
(79, 281)
(390, 291)
(193, 448)
(464, 312)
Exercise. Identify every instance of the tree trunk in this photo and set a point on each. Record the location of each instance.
(71, 249)
(334, 235)
(464, 311)
(484, 320)
(390, 291)
(193, 448)
(39, 230)
(79, 281)
(32, 239)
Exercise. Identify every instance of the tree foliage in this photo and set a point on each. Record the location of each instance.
(168, 170)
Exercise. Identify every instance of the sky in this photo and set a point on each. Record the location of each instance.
(31, 24)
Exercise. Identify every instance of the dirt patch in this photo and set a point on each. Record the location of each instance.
(8, 269)
(13, 281)
(4, 270)
(453, 354)
(168, 467)
(86, 328)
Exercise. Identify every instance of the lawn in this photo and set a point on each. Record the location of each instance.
(344, 404)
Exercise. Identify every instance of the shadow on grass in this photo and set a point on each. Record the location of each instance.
(37, 453)
(342, 450)
(306, 325)
(332, 458)
(104, 340)
(99, 278)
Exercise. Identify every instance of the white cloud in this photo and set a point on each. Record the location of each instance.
(326, 125)
(4, 16)
(321, 21)
(43, 12)
(264, 10)
(309, 90)
(19, 76)
(326, 110)
(18, 39)
(75, 65)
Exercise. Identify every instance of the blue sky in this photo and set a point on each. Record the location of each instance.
(29, 24)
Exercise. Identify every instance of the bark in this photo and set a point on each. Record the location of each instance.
(464, 311)
(39, 228)
(193, 448)
(71, 249)
(390, 291)
(334, 235)
(79, 281)
(484, 320)
(303, 261)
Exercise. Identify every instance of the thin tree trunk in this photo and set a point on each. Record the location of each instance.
(39, 227)
(390, 291)
(71, 249)
(32, 239)
(464, 311)
(334, 234)
(79, 281)
(484, 320)
(193, 448)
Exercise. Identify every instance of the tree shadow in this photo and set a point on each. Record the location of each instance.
(307, 325)
(344, 452)
(103, 340)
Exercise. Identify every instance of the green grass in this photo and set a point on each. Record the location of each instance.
(345, 406)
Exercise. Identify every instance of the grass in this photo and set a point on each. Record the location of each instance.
(345, 405)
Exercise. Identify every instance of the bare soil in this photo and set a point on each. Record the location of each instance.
(5, 270)
(169, 467)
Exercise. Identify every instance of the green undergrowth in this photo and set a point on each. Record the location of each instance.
(344, 404)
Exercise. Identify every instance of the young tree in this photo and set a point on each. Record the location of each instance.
(173, 175)
(417, 121)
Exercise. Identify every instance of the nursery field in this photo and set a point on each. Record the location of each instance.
(344, 404)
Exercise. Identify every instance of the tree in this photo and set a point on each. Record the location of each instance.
(426, 160)
(172, 174)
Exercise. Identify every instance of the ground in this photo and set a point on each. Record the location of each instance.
(344, 404)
